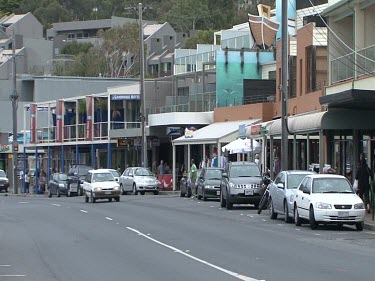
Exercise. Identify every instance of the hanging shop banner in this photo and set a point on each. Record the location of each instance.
(89, 135)
(33, 123)
(59, 121)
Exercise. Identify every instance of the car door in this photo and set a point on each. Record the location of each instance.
(200, 182)
(279, 199)
(87, 183)
(123, 179)
(305, 198)
(299, 195)
(273, 188)
(53, 184)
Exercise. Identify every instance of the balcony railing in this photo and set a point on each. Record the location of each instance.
(236, 43)
(247, 100)
(194, 62)
(343, 68)
(118, 125)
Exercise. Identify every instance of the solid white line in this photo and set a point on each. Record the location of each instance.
(231, 273)
(5, 265)
(108, 218)
(57, 205)
(12, 275)
(368, 232)
(264, 220)
(23, 202)
(83, 211)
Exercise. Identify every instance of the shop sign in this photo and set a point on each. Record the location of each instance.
(189, 133)
(173, 131)
(4, 148)
(255, 130)
(126, 97)
(123, 142)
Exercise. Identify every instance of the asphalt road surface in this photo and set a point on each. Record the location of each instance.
(168, 238)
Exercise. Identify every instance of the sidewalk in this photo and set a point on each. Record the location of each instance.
(369, 223)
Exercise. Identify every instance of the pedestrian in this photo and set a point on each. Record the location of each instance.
(42, 181)
(363, 175)
(257, 159)
(276, 166)
(193, 176)
(27, 182)
(223, 161)
(161, 173)
(214, 161)
(154, 167)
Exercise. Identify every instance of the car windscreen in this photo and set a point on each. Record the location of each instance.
(143, 172)
(244, 171)
(115, 174)
(2, 174)
(83, 171)
(295, 179)
(331, 185)
(63, 177)
(101, 177)
(213, 174)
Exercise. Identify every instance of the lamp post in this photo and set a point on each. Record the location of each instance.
(14, 99)
(142, 88)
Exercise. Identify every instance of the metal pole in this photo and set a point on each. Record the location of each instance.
(142, 89)
(284, 86)
(14, 98)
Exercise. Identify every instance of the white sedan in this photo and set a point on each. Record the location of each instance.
(328, 199)
(100, 184)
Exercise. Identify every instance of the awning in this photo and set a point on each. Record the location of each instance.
(241, 146)
(258, 130)
(220, 132)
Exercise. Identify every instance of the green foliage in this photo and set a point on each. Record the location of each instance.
(9, 6)
(200, 37)
(75, 48)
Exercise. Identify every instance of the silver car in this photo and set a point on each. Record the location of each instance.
(282, 192)
(138, 179)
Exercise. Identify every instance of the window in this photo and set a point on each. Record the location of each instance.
(300, 77)
(272, 75)
(71, 35)
(157, 40)
(292, 77)
(170, 37)
(79, 35)
(311, 69)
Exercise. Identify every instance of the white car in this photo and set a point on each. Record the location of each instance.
(138, 179)
(328, 199)
(100, 184)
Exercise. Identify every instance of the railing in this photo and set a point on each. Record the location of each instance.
(343, 68)
(247, 100)
(117, 125)
(70, 133)
(236, 43)
(194, 62)
(100, 131)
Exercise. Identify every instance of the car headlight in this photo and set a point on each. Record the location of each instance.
(97, 189)
(208, 186)
(232, 185)
(61, 185)
(116, 187)
(359, 206)
(321, 205)
(6, 180)
(291, 198)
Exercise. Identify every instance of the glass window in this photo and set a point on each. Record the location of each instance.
(213, 174)
(63, 177)
(332, 185)
(143, 172)
(115, 173)
(303, 184)
(294, 180)
(83, 170)
(278, 178)
(102, 177)
(237, 171)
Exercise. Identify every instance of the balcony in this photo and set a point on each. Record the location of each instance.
(246, 100)
(194, 63)
(236, 43)
(343, 68)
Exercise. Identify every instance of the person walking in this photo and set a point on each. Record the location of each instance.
(363, 175)
(193, 176)
(161, 173)
(27, 182)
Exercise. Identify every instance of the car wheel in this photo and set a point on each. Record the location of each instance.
(135, 191)
(199, 197)
(110, 199)
(49, 193)
(204, 196)
(93, 200)
(58, 192)
(297, 219)
(229, 204)
(287, 218)
(313, 223)
(189, 192)
(273, 215)
(86, 198)
(359, 226)
(222, 200)
(156, 192)
(122, 190)
(182, 194)
(117, 199)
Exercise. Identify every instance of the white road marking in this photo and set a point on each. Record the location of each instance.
(298, 229)
(117, 223)
(23, 202)
(250, 216)
(241, 214)
(220, 208)
(198, 202)
(12, 275)
(264, 220)
(57, 205)
(317, 234)
(5, 265)
(107, 218)
(211, 206)
(231, 273)
(187, 251)
(279, 224)
(83, 211)
(368, 232)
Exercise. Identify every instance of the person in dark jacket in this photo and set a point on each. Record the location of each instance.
(363, 175)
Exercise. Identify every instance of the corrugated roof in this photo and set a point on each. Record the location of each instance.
(150, 29)
(12, 19)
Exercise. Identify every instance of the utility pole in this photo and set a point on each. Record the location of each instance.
(14, 99)
(142, 88)
(284, 86)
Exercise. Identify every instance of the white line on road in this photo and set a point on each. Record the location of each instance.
(57, 205)
(368, 232)
(279, 224)
(23, 202)
(107, 218)
(264, 220)
(83, 211)
(250, 216)
(5, 265)
(241, 214)
(12, 275)
(231, 273)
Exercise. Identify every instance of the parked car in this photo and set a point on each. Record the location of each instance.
(241, 184)
(58, 185)
(139, 179)
(282, 191)
(100, 184)
(77, 173)
(328, 199)
(208, 184)
(185, 185)
(4, 181)
(115, 174)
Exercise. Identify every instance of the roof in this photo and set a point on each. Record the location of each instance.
(290, 172)
(11, 19)
(238, 163)
(100, 171)
(317, 176)
(150, 29)
(223, 132)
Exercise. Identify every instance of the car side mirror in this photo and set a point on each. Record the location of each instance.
(280, 185)
(225, 175)
(306, 190)
(130, 175)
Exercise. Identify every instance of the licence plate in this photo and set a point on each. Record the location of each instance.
(150, 187)
(343, 214)
(218, 192)
(249, 192)
(107, 192)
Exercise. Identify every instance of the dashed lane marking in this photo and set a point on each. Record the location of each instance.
(23, 202)
(57, 205)
(175, 250)
(83, 211)
(5, 265)
(12, 275)
(107, 218)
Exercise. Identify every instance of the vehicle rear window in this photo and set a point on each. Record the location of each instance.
(143, 172)
(213, 174)
(83, 171)
(2, 174)
(101, 177)
(244, 171)
(115, 173)
(295, 179)
(331, 185)
(63, 177)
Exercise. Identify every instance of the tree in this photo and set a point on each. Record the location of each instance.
(9, 6)
(75, 48)
(54, 12)
(200, 37)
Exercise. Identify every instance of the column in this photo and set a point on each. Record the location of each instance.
(24, 168)
(321, 156)
(294, 152)
(174, 166)
(62, 159)
(36, 170)
(188, 158)
(93, 156)
(271, 157)
(48, 165)
(307, 150)
(356, 153)
(109, 155)
(219, 154)
(203, 152)
(77, 154)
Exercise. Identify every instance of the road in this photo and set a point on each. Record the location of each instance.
(169, 238)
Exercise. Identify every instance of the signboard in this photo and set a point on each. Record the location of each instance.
(42, 108)
(33, 123)
(59, 121)
(242, 131)
(4, 148)
(123, 142)
(255, 129)
(189, 133)
(89, 118)
(126, 97)
(15, 146)
(173, 131)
